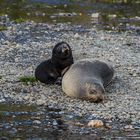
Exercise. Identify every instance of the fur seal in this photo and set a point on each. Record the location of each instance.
(49, 70)
(86, 79)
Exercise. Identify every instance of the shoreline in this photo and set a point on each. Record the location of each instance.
(23, 46)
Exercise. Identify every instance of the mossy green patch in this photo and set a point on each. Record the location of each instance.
(39, 5)
(2, 28)
(19, 20)
(26, 79)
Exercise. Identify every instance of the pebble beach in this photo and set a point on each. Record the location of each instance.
(23, 46)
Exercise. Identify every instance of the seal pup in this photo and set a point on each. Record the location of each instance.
(49, 70)
(86, 79)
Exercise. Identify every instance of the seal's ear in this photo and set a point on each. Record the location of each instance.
(64, 71)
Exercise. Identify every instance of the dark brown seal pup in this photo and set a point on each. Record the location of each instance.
(86, 79)
(48, 71)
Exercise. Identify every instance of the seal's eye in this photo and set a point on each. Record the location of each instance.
(59, 50)
(93, 91)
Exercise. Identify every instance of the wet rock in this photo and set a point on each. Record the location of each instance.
(79, 124)
(96, 123)
(13, 131)
(54, 115)
(60, 122)
(112, 16)
(37, 122)
(7, 125)
(76, 35)
(137, 126)
(95, 15)
(67, 14)
(128, 127)
(40, 102)
(92, 117)
(6, 113)
(69, 116)
(4, 138)
(29, 122)
(35, 126)
(108, 126)
(51, 108)
(61, 112)
(55, 123)
(35, 117)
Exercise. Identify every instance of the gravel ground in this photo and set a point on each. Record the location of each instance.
(23, 46)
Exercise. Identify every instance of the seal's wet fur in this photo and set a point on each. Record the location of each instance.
(49, 70)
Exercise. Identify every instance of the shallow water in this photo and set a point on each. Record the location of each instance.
(37, 122)
(104, 15)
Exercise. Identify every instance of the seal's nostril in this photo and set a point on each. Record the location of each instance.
(65, 50)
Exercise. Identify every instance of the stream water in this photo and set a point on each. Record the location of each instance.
(104, 14)
(33, 123)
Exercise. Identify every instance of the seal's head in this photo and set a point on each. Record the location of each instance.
(62, 50)
(62, 56)
(94, 92)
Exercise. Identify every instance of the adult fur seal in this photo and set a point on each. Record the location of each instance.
(48, 71)
(86, 79)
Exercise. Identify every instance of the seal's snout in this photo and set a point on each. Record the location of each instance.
(65, 50)
(95, 92)
(97, 98)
